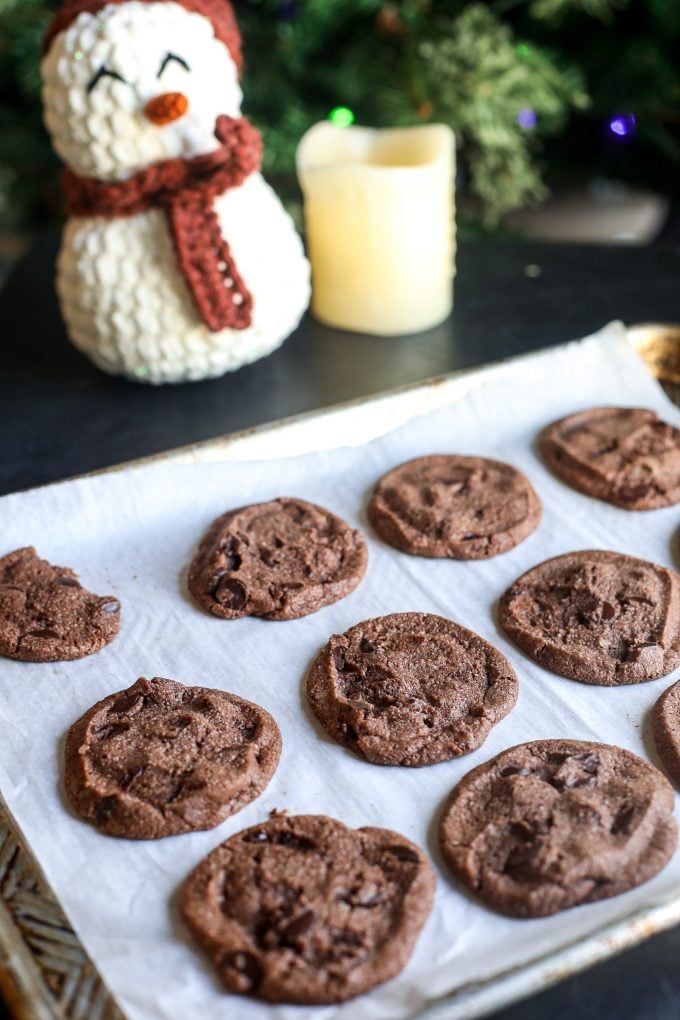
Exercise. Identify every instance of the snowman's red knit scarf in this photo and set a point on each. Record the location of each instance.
(185, 189)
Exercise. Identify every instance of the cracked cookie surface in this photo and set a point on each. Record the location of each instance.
(466, 508)
(598, 617)
(623, 455)
(410, 689)
(279, 560)
(305, 910)
(45, 613)
(160, 758)
(556, 823)
(666, 724)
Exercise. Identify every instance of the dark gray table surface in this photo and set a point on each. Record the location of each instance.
(59, 416)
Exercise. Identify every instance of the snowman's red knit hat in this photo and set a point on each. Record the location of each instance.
(219, 12)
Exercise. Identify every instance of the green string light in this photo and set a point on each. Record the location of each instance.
(341, 116)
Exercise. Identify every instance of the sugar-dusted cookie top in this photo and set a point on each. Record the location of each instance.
(624, 455)
(160, 758)
(279, 560)
(556, 823)
(45, 613)
(305, 910)
(410, 689)
(666, 722)
(598, 617)
(466, 508)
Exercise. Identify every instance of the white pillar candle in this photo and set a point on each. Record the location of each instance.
(379, 212)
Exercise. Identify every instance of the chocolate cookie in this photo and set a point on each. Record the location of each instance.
(597, 617)
(666, 722)
(160, 758)
(279, 560)
(463, 508)
(45, 613)
(305, 910)
(410, 689)
(624, 455)
(555, 823)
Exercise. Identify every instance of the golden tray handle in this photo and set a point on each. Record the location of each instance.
(659, 344)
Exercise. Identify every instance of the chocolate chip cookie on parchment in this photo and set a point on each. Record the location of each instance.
(278, 560)
(45, 613)
(306, 910)
(446, 506)
(598, 617)
(666, 723)
(626, 456)
(160, 758)
(556, 823)
(410, 689)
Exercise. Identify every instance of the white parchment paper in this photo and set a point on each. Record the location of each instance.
(133, 533)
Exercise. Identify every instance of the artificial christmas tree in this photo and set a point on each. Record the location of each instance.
(532, 88)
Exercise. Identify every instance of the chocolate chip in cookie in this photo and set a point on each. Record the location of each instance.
(410, 689)
(598, 617)
(623, 455)
(305, 910)
(278, 560)
(556, 823)
(45, 613)
(160, 758)
(464, 508)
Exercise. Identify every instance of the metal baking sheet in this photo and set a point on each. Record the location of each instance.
(44, 970)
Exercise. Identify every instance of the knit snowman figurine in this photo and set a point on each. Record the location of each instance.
(177, 262)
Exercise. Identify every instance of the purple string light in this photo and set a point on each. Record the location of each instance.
(526, 118)
(623, 125)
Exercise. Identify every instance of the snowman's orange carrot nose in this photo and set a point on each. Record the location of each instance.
(167, 107)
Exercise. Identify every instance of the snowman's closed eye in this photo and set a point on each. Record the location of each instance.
(168, 59)
(103, 72)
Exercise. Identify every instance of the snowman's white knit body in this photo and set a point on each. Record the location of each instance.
(123, 296)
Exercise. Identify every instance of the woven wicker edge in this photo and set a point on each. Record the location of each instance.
(45, 974)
